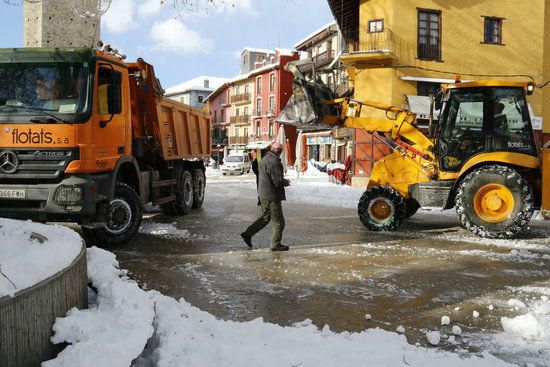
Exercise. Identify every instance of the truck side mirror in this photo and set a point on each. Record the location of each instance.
(438, 100)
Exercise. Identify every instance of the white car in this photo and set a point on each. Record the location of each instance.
(236, 163)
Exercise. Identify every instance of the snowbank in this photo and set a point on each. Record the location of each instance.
(114, 330)
(32, 252)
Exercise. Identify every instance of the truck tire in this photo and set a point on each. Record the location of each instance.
(381, 208)
(183, 203)
(122, 219)
(199, 184)
(495, 202)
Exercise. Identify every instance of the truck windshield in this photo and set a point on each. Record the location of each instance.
(34, 89)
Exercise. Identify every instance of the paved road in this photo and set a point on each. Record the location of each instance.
(336, 271)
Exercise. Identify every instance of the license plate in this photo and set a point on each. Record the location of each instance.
(12, 194)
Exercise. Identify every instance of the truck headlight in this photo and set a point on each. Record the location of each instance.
(68, 195)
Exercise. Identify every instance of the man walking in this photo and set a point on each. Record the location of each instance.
(271, 191)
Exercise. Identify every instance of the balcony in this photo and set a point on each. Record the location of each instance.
(240, 120)
(241, 98)
(318, 61)
(243, 140)
(376, 47)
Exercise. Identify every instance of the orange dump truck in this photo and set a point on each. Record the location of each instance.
(89, 138)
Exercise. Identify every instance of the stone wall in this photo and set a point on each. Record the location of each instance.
(55, 23)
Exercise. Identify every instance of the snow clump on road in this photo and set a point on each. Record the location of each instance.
(445, 320)
(167, 230)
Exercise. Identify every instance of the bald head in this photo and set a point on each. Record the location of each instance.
(276, 148)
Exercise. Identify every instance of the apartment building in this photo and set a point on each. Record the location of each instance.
(403, 49)
(194, 92)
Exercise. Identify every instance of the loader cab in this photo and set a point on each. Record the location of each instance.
(483, 117)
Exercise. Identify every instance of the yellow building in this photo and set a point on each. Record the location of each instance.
(401, 49)
(241, 96)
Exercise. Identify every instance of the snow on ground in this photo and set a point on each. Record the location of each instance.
(114, 331)
(168, 230)
(32, 252)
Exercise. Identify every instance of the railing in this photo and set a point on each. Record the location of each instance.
(241, 98)
(238, 140)
(324, 58)
(241, 119)
(376, 42)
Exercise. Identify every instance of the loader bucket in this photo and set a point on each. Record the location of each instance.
(305, 108)
(545, 207)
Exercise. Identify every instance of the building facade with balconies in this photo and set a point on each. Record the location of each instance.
(220, 110)
(403, 49)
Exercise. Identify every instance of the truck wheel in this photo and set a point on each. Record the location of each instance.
(199, 184)
(184, 195)
(412, 207)
(494, 202)
(122, 218)
(381, 208)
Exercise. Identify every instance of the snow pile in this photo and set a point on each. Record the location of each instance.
(167, 230)
(531, 329)
(32, 252)
(187, 336)
(114, 330)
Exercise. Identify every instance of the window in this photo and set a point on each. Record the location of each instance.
(259, 58)
(245, 132)
(270, 129)
(222, 116)
(376, 25)
(109, 92)
(427, 89)
(245, 60)
(200, 99)
(258, 107)
(245, 112)
(237, 90)
(258, 123)
(206, 83)
(493, 30)
(429, 35)
(237, 111)
(272, 104)
(246, 89)
(259, 85)
(271, 82)
(182, 99)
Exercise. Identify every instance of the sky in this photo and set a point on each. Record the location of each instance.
(196, 41)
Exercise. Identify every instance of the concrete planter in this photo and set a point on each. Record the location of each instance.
(26, 319)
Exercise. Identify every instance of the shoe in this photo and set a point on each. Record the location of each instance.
(280, 248)
(247, 240)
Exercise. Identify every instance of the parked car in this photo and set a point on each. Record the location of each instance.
(237, 163)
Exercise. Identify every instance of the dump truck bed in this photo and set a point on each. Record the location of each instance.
(184, 130)
(181, 131)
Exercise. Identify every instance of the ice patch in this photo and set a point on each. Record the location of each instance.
(164, 230)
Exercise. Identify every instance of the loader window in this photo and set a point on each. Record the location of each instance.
(511, 124)
(462, 134)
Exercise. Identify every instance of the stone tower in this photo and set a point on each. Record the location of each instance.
(55, 23)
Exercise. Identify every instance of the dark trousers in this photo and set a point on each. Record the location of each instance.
(271, 211)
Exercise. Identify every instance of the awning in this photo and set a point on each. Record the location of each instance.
(258, 145)
(420, 105)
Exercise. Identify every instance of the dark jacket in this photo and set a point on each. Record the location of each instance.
(271, 181)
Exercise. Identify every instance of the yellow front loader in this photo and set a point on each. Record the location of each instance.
(480, 157)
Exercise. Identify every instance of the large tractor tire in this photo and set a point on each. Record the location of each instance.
(382, 208)
(199, 185)
(495, 202)
(184, 195)
(122, 219)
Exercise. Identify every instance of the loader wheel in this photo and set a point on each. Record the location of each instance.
(495, 202)
(381, 208)
(184, 195)
(412, 207)
(199, 184)
(122, 219)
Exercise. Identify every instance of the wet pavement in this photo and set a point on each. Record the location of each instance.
(336, 271)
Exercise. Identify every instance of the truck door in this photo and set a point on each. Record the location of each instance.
(110, 119)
